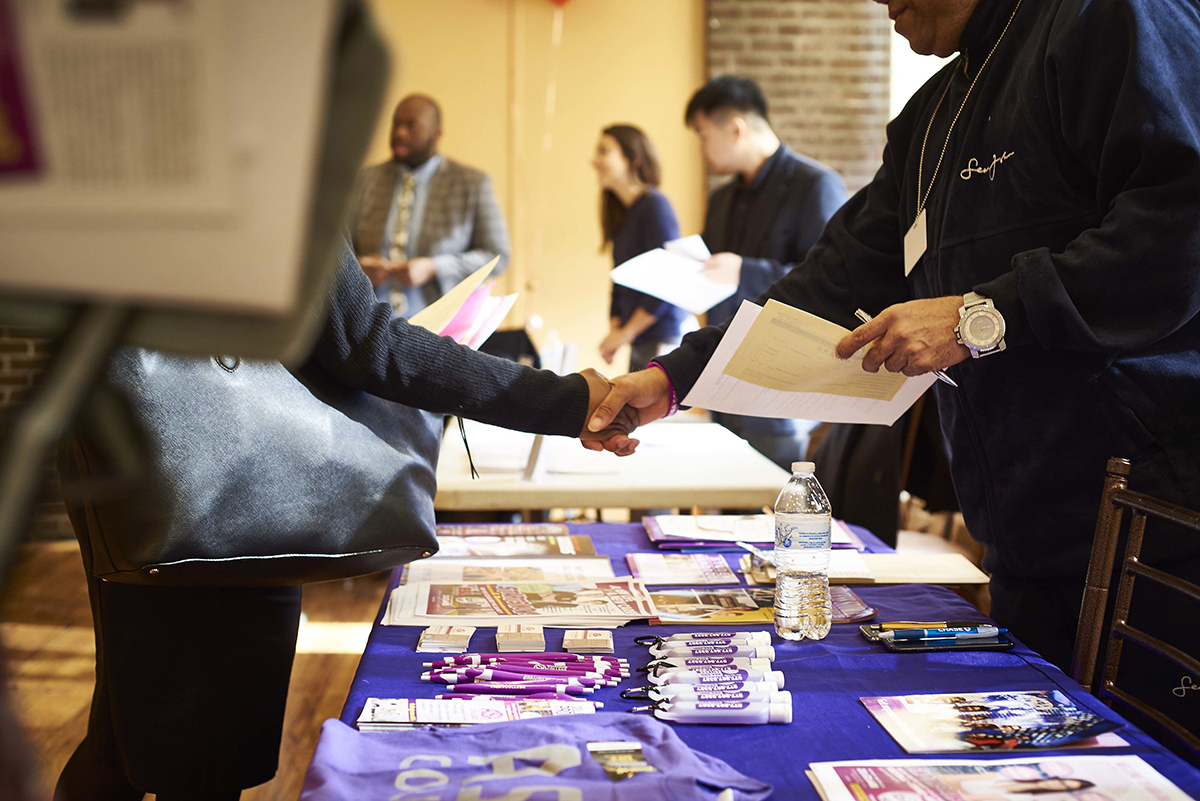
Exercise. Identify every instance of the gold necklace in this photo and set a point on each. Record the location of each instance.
(921, 201)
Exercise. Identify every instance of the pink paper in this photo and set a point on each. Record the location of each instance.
(464, 319)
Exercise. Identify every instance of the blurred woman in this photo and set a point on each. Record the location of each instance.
(634, 218)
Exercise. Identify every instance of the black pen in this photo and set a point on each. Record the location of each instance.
(866, 318)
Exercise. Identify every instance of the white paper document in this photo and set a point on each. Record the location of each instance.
(785, 360)
(675, 278)
(692, 247)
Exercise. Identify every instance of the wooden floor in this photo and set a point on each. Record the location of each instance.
(46, 625)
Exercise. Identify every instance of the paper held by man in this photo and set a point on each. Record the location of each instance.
(675, 273)
(777, 361)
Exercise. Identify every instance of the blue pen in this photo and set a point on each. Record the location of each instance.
(972, 633)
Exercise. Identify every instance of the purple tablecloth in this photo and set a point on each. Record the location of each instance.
(826, 679)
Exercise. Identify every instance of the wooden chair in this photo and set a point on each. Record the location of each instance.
(1116, 498)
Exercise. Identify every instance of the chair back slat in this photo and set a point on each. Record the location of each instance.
(1116, 498)
(1190, 741)
(1095, 592)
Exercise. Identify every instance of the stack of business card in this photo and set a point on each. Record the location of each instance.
(445, 640)
(520, 637)
(588, 641)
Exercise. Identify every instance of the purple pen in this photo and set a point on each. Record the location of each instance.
(470, 675)
(517, 688)
(519, 667)
(539, 696)
(475, 659)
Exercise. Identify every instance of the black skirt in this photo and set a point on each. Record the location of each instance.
(191, 683)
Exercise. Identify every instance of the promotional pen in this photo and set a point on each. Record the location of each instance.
(518, 688)
(979, 632)
(513, 667)
(914, 624)
(534, 696)
(475, 659)
(866, 318)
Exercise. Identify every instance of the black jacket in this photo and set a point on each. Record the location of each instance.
(1087, 235)
(788, 213)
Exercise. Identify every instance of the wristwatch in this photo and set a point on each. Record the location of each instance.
(980, 326)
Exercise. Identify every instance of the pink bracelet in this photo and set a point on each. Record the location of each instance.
(674, 407)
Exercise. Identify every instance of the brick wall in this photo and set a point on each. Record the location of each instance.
(824, 65)
(23, 357)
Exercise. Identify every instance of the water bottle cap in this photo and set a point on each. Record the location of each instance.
(766, 652)
(804, 467)
(779, 712)
(759, 638)
(777, 677)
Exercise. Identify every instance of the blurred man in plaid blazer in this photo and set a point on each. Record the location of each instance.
(419, 221)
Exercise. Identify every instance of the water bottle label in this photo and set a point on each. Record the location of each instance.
(709, 661)
(726, 696)
(713, 677)
(704, 643)
(790, 535)
(701, 635)
(723, 704)
(732, 686)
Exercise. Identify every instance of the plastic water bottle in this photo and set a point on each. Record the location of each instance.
(802, 522)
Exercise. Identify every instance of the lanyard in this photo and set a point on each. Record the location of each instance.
(921, 200)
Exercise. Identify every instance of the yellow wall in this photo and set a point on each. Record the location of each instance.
(489, 63)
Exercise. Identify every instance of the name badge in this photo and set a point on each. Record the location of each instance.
(915, 242)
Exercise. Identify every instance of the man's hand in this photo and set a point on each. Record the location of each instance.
(645, 395)
(415, 272)
(723, 268)
(623, 424)
(377, 268)
(608, 348)
(913, 338)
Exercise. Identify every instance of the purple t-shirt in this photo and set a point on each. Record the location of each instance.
(488, 761)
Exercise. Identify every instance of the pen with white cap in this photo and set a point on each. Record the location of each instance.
(972, 633)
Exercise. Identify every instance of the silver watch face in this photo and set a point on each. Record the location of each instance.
(982, 328)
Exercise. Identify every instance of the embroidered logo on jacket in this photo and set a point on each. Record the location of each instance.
(973, 167)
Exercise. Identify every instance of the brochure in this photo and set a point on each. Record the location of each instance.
(500, 529)
(520, 545)
(674, 532)
(458, 569)
(392, 714)
(681, 568)
(997, 721)
(596, 604)
(714, 607)
(745, 605)
(1112, 778)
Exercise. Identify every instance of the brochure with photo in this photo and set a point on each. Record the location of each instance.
(681, 568)
(1107, 778)
(986, 722)
(714, 607)
(485, 570)
(595, 604)
(520, 545)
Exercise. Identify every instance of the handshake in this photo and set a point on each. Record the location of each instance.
(617, 407)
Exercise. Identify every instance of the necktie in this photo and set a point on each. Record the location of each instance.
(399, 248)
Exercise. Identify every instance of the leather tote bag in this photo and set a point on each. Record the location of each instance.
(251, 478)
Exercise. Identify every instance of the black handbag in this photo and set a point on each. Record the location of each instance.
(251, 478)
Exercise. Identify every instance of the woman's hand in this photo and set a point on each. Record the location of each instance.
(619, 425)
(644, 396)
(608, 348)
